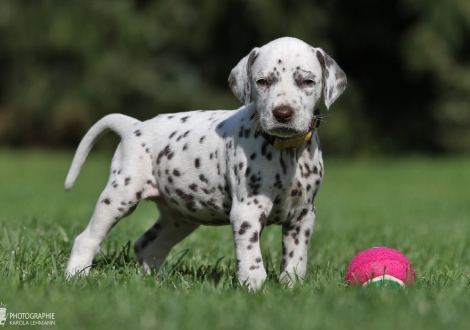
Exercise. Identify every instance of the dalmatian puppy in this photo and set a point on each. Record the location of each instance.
(248, 168)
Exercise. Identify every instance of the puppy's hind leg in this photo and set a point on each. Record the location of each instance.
(87, 244)
(125, 188)
(153, 246)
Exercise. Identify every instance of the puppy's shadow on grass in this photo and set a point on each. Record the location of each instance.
(220, 274)
(178, 269)
(179, 266)
(116, 258)
(216, 273)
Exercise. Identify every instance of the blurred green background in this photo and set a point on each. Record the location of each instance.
(64, 64)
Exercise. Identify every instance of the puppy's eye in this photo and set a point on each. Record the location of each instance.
(262, 82)
(308, 83)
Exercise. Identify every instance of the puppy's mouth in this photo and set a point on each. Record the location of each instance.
(284, 132)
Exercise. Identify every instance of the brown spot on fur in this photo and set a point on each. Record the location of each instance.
(244, 227)
(254, 238)
(302, 214)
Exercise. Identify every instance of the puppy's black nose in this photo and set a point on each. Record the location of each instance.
(283, 113)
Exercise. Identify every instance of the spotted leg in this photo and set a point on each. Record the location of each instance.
(123, 192)
(108, 212)
(247, 224)
(295, 239)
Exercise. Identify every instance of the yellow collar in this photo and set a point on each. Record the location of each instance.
(293, 141)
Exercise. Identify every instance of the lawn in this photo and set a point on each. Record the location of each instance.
(418, 205)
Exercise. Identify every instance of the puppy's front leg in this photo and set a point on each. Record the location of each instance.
(295, 240)
(248, 222)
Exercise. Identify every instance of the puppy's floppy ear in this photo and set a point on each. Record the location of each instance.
(333, 78)
(240, 77)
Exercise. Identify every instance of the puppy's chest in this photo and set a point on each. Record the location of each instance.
(290, 177)
(293, 194)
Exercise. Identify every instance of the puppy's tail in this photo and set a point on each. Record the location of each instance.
(120, 124)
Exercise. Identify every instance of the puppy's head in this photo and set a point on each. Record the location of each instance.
(285, 79)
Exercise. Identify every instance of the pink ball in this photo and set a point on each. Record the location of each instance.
(380, 265)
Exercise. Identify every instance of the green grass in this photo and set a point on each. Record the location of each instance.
(420, 206)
